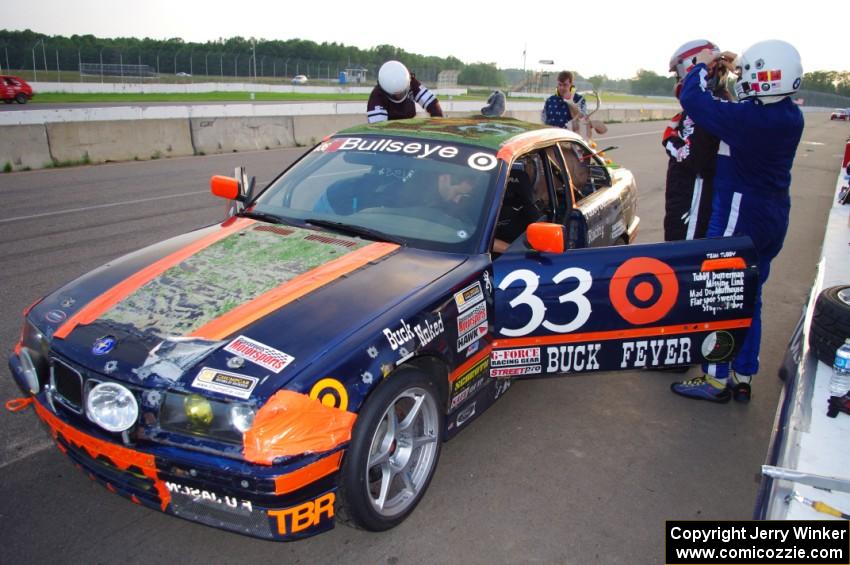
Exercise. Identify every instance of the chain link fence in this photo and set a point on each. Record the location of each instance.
(46, 63)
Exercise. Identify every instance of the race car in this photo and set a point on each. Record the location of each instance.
(839, 114)
(305, 359)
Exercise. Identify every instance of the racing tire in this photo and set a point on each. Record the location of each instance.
(394, 450)
(21, 98)
(830, 322)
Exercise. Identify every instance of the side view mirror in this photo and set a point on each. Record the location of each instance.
(238, 189)
(547, 237)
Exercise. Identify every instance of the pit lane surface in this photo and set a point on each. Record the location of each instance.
(582, 469)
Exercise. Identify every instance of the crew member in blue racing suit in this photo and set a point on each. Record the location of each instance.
(758, 140)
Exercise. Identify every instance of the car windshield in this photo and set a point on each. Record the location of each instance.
(422, 193)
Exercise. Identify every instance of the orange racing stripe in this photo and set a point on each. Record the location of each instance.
(656, 331)
(307, 474)
(94, 309)
(236, 319)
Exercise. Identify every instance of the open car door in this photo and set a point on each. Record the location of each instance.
(622, 308)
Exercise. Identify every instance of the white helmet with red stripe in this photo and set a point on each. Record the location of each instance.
(766, 69)
(685, 56)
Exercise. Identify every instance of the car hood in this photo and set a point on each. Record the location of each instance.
(276, 296)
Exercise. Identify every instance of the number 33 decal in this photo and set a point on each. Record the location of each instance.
(538, 309)
(637, 304)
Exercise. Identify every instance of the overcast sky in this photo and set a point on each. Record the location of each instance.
(612, 37)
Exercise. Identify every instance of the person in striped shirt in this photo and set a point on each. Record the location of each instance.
(396, 95)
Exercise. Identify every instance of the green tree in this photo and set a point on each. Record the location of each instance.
(481, 74)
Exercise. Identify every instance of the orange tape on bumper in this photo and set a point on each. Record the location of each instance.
(123, 457)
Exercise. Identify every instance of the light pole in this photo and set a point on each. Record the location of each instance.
(34, 70)
(101, 66)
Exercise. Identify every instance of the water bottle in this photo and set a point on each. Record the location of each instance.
(839, 384)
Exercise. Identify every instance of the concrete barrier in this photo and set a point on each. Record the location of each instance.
(35, 138)
(221, 135)
(119, 140)
(24, 147)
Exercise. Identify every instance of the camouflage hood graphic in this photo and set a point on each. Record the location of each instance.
(231, 272)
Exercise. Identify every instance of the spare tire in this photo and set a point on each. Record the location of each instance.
(830, 322)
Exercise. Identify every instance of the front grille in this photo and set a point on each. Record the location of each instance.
(68, 383)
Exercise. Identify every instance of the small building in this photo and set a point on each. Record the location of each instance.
(353, 76)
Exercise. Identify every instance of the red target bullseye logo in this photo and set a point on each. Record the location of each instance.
(643, 291)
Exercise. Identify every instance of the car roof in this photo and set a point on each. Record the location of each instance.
(492, 133)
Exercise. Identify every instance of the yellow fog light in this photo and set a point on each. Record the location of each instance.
(199, 411)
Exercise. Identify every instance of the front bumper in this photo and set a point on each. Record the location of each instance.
(278, 502)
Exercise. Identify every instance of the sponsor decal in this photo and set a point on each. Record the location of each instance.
(470, 390)
(331, 393)
(501, 387)
(472, 326)
(473, 349)
(201, 495)
(298, 518)
(222, 382)
(510, 357)
(507, 372)
(476, 371)
(56, 316)
(259, 353)
(418, 150)
(469, 297)
(717, 291)
(482, 161)
(487, 283)
(464, 416)
(426, 331)
(573, 358)
(471, 337)
(467, 321)
(103, 345)
(717, 346)
(656, 352)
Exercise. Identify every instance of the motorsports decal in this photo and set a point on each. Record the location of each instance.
(260, 354)
(622, 307)
(471, 326)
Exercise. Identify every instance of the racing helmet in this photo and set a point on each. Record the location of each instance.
(394, 79)
(766, 69)
(685, 56)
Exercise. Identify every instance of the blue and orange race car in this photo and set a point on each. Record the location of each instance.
(305, 359)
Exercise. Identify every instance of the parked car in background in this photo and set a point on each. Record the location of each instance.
(15, 89)
(839, 114)
(182, 74)
(299, 79)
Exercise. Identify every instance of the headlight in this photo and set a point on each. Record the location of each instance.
(34, 356)
(199, 416)
(112, 407)
(242, 417)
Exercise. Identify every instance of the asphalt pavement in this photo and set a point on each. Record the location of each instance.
(580, 469)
